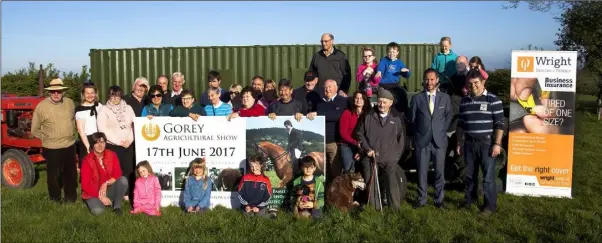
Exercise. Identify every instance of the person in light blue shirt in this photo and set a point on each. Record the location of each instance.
(389, 69)
(216, 107)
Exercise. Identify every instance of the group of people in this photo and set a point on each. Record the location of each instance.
(357, 131)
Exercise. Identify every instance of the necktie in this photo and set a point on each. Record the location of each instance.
(431, 103)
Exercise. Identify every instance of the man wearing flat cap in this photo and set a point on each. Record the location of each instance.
(381, 135)
(53, 123)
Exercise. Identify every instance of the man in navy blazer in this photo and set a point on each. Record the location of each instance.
(430, 116)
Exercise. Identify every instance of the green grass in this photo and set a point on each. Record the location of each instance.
(28, 216)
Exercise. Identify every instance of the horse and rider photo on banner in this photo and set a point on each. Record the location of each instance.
(282, 142)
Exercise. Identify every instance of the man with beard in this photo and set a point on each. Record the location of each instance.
(430, 116)
(309, 93)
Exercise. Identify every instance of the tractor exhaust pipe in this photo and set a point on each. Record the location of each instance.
(41, 81)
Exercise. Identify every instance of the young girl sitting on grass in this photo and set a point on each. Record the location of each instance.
(197, 191)
(255, 189)
(147, 191)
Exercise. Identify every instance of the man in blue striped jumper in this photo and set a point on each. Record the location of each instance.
(482, 122)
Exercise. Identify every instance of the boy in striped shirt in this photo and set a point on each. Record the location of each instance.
(482, 122)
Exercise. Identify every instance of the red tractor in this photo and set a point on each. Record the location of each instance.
(20, 150)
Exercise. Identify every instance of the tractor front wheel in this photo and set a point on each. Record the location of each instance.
(17, 170)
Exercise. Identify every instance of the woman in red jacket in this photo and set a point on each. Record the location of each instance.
(248, 108)
(349, 118)
(102, 182)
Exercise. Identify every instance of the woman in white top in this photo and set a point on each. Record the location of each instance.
(85, 118)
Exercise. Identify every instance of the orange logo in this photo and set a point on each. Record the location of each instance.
(525, 64)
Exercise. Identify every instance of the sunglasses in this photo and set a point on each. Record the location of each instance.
(155, 96)
(56, 91)
(234, 92)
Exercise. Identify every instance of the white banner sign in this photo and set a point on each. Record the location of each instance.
(169, 144)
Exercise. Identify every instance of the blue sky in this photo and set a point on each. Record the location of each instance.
(63, 32)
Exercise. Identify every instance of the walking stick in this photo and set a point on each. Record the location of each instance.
(375, 177)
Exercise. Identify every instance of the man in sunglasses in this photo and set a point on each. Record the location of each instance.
(53, 123)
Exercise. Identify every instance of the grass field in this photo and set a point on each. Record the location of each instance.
(28, 216)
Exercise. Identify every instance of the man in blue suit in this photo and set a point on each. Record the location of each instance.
(430, 115)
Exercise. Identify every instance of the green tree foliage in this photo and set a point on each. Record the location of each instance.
(580, 28)
(24, 82)
(499, 83)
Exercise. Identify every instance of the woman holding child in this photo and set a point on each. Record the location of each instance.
(101, 177)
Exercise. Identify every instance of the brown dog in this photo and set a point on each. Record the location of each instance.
(305, 193)
(340, 191)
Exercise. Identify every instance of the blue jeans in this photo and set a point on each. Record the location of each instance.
(477, 154)
(347, 153)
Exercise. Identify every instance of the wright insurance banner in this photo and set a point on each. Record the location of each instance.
(170, 144)
(542, 123)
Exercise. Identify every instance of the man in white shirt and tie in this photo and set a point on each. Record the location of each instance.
(430, 116)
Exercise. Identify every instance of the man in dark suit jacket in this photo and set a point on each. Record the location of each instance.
(295, 141)
(430, 115)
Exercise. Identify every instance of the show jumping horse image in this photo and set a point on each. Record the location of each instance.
(282, 160)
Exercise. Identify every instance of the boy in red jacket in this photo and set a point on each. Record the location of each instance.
(255, 189)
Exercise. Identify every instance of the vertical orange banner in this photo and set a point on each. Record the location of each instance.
(542, 123)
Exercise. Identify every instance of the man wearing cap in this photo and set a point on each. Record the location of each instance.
(309, 93)
(381, 135)
(331, 107)
(331, 63)
(53, 123)
(137, 99)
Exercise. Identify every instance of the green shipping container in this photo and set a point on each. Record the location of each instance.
(237, 64)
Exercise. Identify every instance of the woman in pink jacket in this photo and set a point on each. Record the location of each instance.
(116, 121)
(147, 192)
(366, 71)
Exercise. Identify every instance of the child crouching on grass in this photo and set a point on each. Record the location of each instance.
(197, 191)
(255, 188)
(147, 191)
(314, 201)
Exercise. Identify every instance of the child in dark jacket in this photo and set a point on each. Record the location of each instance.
(197, 191)
(255, 189)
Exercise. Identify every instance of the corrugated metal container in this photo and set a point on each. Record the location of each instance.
(237, 64)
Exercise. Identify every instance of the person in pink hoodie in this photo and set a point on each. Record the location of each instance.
(147, 192)
(366, 71)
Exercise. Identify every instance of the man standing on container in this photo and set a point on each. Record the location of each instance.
(331, 63)
(482, 122)
(173, 97)
(430, 115)
(53, 123)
